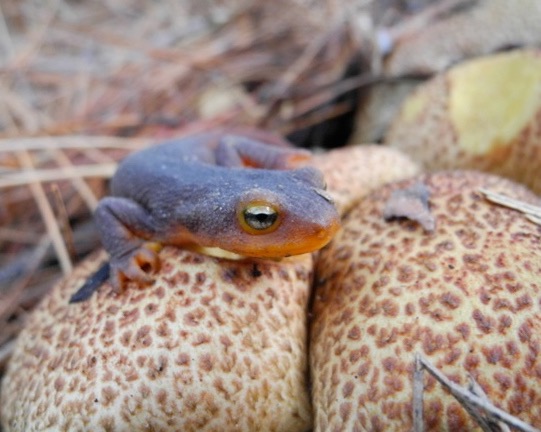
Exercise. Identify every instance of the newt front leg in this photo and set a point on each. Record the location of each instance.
(124, 227)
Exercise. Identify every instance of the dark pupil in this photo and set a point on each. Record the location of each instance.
(260, 217)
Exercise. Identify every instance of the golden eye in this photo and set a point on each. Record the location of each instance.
(259, 219)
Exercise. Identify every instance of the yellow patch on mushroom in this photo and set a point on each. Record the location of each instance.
(492, 99)
(484, 114)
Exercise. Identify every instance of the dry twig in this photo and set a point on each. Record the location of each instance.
(532, 213)
(474, 401)
(21, 178)
(418, 390)
(47, 215)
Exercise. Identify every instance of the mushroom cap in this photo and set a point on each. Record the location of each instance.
(466, 296)
(484, 114)
(212, 345)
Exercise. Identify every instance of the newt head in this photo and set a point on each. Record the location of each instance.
(277, 213)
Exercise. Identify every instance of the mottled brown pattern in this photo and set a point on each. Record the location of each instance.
(476, 308)
(193, 355)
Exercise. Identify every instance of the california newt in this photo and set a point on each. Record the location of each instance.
(212, 190)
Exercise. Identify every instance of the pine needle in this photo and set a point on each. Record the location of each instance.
(47, 215)
(474, 401)
(28, 176)
(532, 213)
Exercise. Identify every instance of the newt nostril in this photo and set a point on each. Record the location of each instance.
(147, 267)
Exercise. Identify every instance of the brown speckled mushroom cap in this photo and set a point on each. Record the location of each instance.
(467, 297)
(213, 345)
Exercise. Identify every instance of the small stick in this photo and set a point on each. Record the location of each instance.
(29, 175)
(470, 399)
(473, 411)
(71, 142)
(47, 214)
(62, 219)
(533, 218)
(418, 389)
(533, 213)
(476, 389)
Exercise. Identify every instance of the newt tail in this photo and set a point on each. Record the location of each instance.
(92, 283)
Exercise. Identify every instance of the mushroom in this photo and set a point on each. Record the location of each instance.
(212, 345)
(466, 296)
(483, 114)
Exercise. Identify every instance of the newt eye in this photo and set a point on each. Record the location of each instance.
(259, 219)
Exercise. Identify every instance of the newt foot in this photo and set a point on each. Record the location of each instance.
(136, 266)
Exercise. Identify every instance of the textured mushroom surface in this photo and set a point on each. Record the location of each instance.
(484, 114)
(467, 297)
(212, 345)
